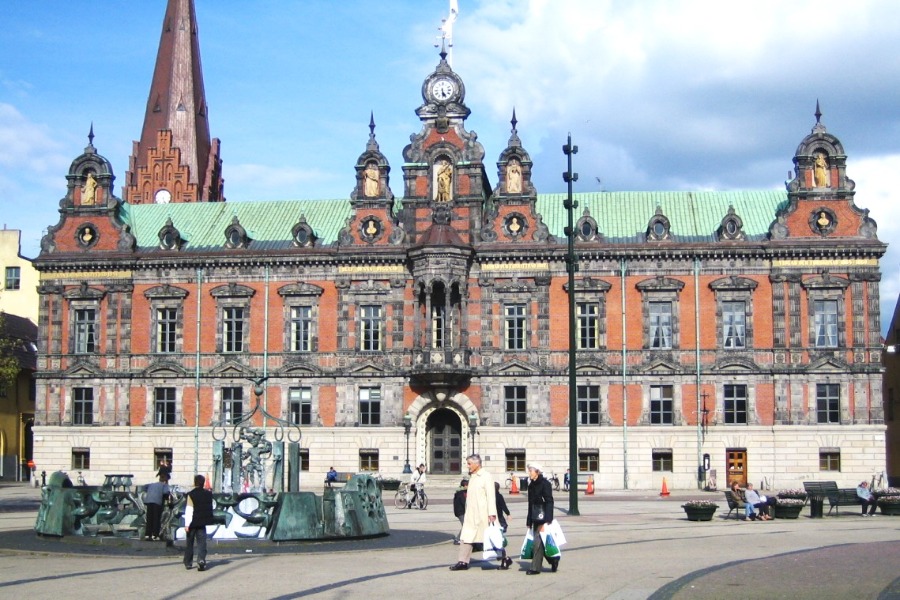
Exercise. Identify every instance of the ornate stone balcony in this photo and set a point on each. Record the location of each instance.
(441, 367)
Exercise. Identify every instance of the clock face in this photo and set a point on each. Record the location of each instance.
(442, 89)
(163, 197)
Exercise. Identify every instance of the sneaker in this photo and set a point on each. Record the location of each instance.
(201, 566)
(460, 566)
(188, 567)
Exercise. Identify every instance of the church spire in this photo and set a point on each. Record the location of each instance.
(176, 124)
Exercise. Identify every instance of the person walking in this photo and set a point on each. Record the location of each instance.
(502, 513)
(198, 513)
(156, 494)
(459, 506)
(540, 512)
(481, 511)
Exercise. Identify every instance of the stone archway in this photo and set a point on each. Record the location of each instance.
(421, 411)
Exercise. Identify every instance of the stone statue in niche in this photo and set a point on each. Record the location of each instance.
(820, 170)
(370, 183)
(514, 177)
(823, 221)
(444, 179)
(89, 191)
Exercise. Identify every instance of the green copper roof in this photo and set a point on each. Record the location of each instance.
(621, 217)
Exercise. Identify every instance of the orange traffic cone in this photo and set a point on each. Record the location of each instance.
(589, 491)
(208, 484)
(514, 488)
(665, 489)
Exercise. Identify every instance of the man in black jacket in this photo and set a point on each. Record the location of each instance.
(198, 513)
(540, 512)
(459, 506)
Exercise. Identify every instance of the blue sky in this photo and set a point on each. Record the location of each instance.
(657, 95)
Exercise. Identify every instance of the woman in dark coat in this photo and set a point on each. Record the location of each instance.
(540, 512)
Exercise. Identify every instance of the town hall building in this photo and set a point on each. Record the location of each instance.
(425, 317)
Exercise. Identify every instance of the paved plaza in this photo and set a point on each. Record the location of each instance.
(624, 545)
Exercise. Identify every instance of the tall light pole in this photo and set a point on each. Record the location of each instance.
(407, 425)
(473, 427)
(571, 266)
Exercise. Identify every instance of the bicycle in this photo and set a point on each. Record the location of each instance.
(509, 480)
(80, 480)
(420, 500)
(555, 481)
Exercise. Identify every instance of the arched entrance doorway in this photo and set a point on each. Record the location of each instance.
(445, 442)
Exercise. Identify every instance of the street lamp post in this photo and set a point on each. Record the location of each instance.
(572, 266)
(407, 425)
(473, 428)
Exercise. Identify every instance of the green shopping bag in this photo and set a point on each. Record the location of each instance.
(551, 550)
(528, 545)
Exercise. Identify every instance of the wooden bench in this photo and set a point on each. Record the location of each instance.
(733, 505)
(342, 477)
(837, 497)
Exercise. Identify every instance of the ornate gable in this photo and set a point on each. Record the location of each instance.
(820, 195)
(444, 162)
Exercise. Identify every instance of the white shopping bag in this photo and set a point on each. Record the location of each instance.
(556, 531)
(492, 542)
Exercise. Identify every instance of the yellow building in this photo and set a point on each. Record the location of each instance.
(18, 289)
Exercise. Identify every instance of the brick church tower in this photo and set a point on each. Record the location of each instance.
(175, 159)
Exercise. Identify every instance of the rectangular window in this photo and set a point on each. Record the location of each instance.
(13, 278)
(588, 404)
(662, 460)
(166, 329)
(514, 326)
(160, 454)
(735, 404)
(734, 324)
(826, 320)
(164, 406)
(368, 459)
(233, 333)
(370, 327)
(515, 459)
(829, 460)
(85, 330)
(301, 328)
(515, 403)
(304, 459)
(828, 403)
(370, 406)
(661, 325)
(81, 459)
(588, 316)
(588, 460)
(661, 407)
(232, 405)
(82, 406)
(300, 400)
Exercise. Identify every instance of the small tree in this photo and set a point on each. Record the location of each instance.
(9, 363)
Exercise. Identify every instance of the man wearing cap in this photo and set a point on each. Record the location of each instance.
(540, 512)
(481, 511)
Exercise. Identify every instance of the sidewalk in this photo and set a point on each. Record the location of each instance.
(624, 545)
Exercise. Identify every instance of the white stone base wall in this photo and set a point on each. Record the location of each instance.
(783, 456)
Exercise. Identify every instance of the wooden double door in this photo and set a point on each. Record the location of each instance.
(736, 464)
(445, 442)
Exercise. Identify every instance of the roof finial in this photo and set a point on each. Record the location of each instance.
(91, 135)
(446, 30)
(818, 128)
(513, 121)
(818, 112)
(372, 145)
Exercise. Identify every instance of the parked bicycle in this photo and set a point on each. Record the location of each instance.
(509, 480)
(555, 481)
(419, 500)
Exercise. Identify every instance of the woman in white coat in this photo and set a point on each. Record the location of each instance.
(481, 511)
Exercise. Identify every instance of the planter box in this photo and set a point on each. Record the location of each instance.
(788, 512)
(702, 513)
(389, 484)
(892, 509)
